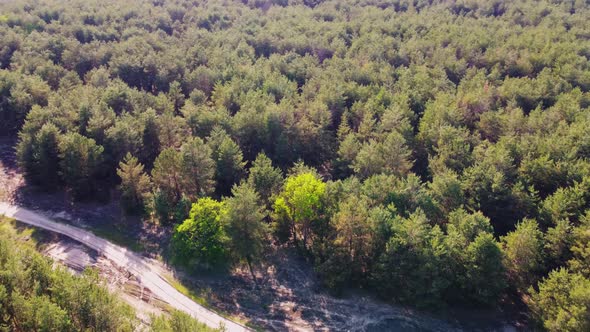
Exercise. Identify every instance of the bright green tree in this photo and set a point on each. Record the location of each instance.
(200, 241)
(299, 205)
(562, 302)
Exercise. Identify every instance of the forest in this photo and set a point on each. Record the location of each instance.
(434, 153)
(35, 295)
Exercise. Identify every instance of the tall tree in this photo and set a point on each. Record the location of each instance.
(391, 156)
(299, 205)
(265, 178)
(80, 163)
(229, 161)
(186, 172)
(167, 174)
(523, 249)
(135, 184)
(39, 156)
(197, 168)
(245, 225)
(201, 241)
(563, 302)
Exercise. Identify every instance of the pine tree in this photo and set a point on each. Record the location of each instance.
(80, 161)
(265, 178)
(228, 159)
(245, 225)
(135, 184)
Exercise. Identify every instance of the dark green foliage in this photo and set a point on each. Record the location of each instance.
(228, 159)
(413, 267)
(80, 162)
(245, 226)
(414, 135)
(181, 175)
(265, 178)
(39, 156)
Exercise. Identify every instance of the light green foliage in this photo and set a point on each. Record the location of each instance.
(562, 302)
(299, 205)
(446, 191)
(178, 322)
(567, 203)
(523, 248)
(391, 157)
(201, 241)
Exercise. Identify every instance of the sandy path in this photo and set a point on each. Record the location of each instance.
(137, 265)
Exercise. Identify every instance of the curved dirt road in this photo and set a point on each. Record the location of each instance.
(132, 262)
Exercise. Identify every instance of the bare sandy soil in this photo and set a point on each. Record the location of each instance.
(289, 296)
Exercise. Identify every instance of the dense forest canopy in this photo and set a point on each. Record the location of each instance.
(435, 152)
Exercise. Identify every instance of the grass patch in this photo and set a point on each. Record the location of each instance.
(190, 293)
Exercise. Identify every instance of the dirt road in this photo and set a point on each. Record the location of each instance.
(141, 267)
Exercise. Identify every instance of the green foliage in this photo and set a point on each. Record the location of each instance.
(486, 275)
(265, 178)
(580, 262)
(177, 322)
(35, 296)
(38, 156)
(229, 161)
(414, 257)
(245, 226)
(562, 302)
(179, 174)
(80, 162)
(299, 205)
(465, 118)
(388, 157)
(135, 184)
(523, 248)
(201, 241)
